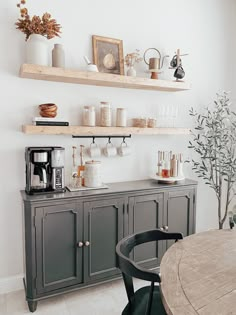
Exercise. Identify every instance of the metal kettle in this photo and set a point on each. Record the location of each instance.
(155, 64)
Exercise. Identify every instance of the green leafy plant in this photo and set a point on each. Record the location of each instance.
(214, 142)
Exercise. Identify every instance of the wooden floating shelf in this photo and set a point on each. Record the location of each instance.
(100, 79)
(95, 131)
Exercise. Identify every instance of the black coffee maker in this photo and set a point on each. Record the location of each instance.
(44, 169)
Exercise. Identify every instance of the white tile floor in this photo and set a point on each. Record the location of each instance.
(105, 299)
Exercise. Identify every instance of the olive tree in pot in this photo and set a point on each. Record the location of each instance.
(214, 142)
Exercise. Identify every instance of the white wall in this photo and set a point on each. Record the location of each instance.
(204, 29)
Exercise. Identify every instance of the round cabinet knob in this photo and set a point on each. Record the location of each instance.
(161, 229)
(80, 244)
(87, 243)
(166, 228)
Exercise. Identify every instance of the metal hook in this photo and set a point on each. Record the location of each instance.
(124, 140)
(109, 139)
(93, 139)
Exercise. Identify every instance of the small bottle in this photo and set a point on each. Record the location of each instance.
(81, 167)
(180, 166)
(174, 166)
(166, 166)
(89, 116)
(105, 114)
(58, 56)
(121, 119)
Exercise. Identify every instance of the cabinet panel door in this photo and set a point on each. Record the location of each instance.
(59, 260)
(146, 213)
(180, 212)
(103, 228)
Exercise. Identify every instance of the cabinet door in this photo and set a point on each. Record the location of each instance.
(179, 215)
(58, 256)
(146, 213)
(103, 228)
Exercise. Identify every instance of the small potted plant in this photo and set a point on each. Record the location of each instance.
(214, 142)
(37, 31)
(130, 60)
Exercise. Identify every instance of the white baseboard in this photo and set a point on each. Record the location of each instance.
(11, 284)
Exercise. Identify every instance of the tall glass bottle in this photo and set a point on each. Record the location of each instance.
(73, 179)
(81, 167)
(166, 166)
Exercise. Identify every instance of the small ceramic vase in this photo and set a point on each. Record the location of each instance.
(131, 72)
(58, 56)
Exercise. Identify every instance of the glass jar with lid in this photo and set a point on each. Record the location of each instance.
(89, 116)
(105, 114)
(121, 120)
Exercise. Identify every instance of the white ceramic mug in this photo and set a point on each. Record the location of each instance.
(109, 150)
(124, 149)
(94, 150)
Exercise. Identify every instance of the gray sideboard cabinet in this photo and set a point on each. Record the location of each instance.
(70, 238)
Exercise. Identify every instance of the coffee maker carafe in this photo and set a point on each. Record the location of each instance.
(39, 170)
(44, 169)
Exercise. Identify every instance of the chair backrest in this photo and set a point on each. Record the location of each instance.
(131, 269)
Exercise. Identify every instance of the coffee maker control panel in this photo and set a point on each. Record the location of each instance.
(58, 178)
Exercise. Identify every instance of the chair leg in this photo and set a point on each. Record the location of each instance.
(149, 305)
(129, 287)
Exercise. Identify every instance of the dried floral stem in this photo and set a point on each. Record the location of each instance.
(45, 25)
(132, 58)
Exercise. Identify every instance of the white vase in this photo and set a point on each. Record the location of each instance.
(37, 50)
(131, 71)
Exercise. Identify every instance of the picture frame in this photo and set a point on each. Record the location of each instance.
(108, 54)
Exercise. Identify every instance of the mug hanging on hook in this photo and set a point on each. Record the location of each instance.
(155, 64)
(176, 63)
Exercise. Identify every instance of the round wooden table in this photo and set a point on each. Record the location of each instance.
(199, 274)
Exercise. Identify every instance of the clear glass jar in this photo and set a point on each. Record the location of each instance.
(121, 117)
(89, 116)
(105, 114)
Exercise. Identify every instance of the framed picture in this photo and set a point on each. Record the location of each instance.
(108, 54)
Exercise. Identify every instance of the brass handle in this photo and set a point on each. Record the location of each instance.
(80, 244)
(87, 243)
(166, 228)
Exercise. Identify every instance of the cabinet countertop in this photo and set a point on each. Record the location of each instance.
(113, 188)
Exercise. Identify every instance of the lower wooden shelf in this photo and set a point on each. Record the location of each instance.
(95, 131)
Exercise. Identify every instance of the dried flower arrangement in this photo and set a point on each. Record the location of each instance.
(45, 25)
(132, 58)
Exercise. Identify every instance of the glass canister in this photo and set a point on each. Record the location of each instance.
(92, 174)
(121, 117)
(89, 116)
(105, 114)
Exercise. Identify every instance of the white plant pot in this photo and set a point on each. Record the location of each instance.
(37, 50)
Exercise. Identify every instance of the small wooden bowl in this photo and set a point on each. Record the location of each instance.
(48, 110)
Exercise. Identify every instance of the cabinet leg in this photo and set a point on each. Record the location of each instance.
(32, 306)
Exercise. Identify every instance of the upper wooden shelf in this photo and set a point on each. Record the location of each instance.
(95, 131)
(100, 79)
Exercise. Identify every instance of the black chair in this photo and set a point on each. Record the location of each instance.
(147, 300)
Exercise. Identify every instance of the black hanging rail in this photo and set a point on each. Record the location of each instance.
(108, 137)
